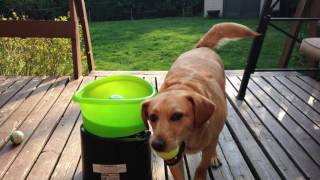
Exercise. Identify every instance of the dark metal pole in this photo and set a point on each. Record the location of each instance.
(255, 48)
(274, 4)
(286, 33)
(294, 19)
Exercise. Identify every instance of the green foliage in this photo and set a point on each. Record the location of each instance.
(35, 56)
(34, 9)
(99, 10)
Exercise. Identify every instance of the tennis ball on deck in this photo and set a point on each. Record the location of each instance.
(169, 155)
(16, 137)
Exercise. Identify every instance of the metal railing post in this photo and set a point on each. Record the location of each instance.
(255, 48)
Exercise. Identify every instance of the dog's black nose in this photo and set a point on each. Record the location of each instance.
(158, 144)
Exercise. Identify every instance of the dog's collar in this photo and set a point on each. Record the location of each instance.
(175, 160)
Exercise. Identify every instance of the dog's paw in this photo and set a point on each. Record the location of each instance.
(215, 162)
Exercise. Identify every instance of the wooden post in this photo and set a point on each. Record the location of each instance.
(295, 28)
(314, 13)
(75, 41)
(86, 34)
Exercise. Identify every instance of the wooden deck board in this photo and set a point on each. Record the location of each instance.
(307, 98)
(294, 100)
(283, 135)
(291, 110)
(9, 152)
(2, 79)
(6, 83)
(305, 86)
(78, 174)
(13, 89)
(313, 83)
(21, 166)
(10, 106)
(294, 129)
(50, 154)
(67, 164)
(233, 157)
(193, 160)
(251, 124)
(223, 172)
(274, 133)
(257, 160)
(15, 120)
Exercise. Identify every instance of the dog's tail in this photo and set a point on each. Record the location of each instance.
(224, 30)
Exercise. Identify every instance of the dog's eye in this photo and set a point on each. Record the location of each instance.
(153, 118)
(176, 116)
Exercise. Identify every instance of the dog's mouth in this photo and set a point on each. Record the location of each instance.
(178, 157)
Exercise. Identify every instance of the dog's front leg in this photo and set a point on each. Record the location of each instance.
(201, 170)
(177, 171)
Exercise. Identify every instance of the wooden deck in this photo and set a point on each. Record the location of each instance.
(273, 134)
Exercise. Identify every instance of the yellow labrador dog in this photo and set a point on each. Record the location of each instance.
(190, 109)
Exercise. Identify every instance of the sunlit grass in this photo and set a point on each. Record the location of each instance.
(154, 44)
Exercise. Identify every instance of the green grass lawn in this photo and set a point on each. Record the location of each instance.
(154, 44)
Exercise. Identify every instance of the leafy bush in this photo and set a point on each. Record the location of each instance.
(35, 9)
(99, 10)
(35, 56)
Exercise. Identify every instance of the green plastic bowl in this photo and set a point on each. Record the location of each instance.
(111, 106)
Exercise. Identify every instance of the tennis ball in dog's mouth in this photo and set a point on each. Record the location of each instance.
(169, 155)
(16, 137)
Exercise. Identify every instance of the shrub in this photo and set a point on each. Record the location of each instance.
(35, 9)
(100, 10)
(35, 56)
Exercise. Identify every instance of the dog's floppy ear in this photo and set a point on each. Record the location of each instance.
(203, 108)
(144, 112)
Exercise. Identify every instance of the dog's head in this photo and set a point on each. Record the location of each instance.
(173, 115)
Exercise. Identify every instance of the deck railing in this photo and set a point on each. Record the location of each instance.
(57, 29)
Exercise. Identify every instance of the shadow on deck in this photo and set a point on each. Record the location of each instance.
(273, 134)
